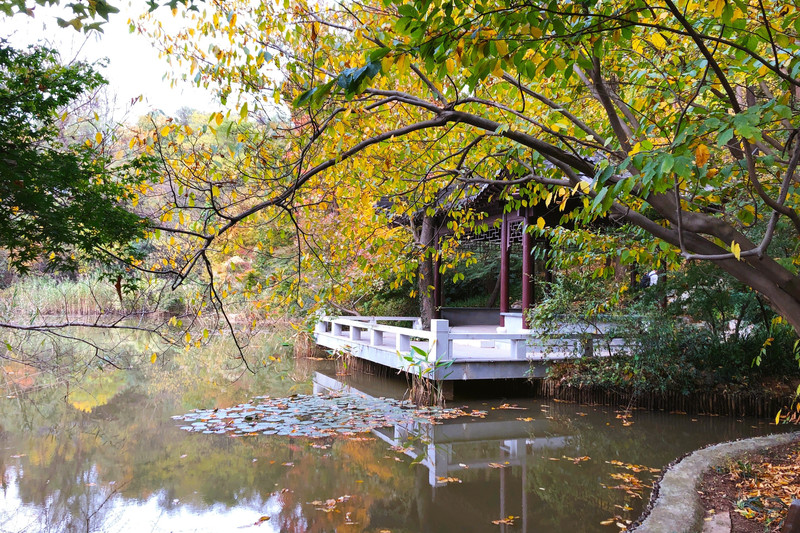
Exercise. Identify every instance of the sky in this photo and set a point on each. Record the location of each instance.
(133, 69)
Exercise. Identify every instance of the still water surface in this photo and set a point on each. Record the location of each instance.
(107, 456)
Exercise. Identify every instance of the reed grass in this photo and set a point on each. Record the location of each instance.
(33, 296)
(88, 295)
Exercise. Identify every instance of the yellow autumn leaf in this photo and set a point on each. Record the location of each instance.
(658, 41)
(581, 186)
(540, 222)
(98, 137)
(497, 72)
(165, 131)
(717, 6)
(701, 155)
(502, 47)
(153, 357)
(736, 250)
(402, 64)
(188, 337)
(218, 118)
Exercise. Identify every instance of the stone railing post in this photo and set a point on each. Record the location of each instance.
(375, 337)
(402, 343)
(519, 348)
(439, 344)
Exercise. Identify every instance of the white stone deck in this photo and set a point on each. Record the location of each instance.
(447, 353)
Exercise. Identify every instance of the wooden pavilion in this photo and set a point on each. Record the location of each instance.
(493, 344)
(506, 230)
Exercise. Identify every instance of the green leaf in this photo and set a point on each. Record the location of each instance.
(407, 10)
(666, 163)
(380, 53)
(598, 200)
(304, 98)
(724, 137)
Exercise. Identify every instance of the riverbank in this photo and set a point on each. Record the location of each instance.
(762, 399)
(752, 493)
(711, 489)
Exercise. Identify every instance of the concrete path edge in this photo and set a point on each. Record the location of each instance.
(677, 508)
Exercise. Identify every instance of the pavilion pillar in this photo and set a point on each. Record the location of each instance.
(505, 261)
(437, 282)
(528, 270)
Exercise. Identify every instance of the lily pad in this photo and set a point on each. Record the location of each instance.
(313, 416)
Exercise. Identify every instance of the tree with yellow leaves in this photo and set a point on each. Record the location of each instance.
(678, 118)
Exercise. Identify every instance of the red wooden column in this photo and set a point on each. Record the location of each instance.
(528, 269)
(437, 282)
(505, 261)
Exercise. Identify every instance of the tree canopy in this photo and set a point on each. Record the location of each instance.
(677, 118)
(60, 197)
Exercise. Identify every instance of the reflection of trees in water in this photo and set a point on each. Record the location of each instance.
(85, 507)
(653, 440)
(72, 458)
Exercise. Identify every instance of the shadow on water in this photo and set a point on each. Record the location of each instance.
(110, 458)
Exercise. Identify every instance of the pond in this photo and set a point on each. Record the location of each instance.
(109, 455)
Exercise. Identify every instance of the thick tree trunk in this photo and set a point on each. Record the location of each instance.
(783, 302)
(495, 293)
(766, 276)
(425, 278)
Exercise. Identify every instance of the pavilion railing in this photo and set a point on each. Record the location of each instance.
(438, 342)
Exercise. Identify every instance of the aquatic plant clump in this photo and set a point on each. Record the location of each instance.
(314, 416)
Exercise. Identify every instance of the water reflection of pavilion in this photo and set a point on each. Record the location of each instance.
(453, 446)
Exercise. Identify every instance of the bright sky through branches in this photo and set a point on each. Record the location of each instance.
(133, 69)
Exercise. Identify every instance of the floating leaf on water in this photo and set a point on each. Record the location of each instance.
(508, 521)
(510, 406)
